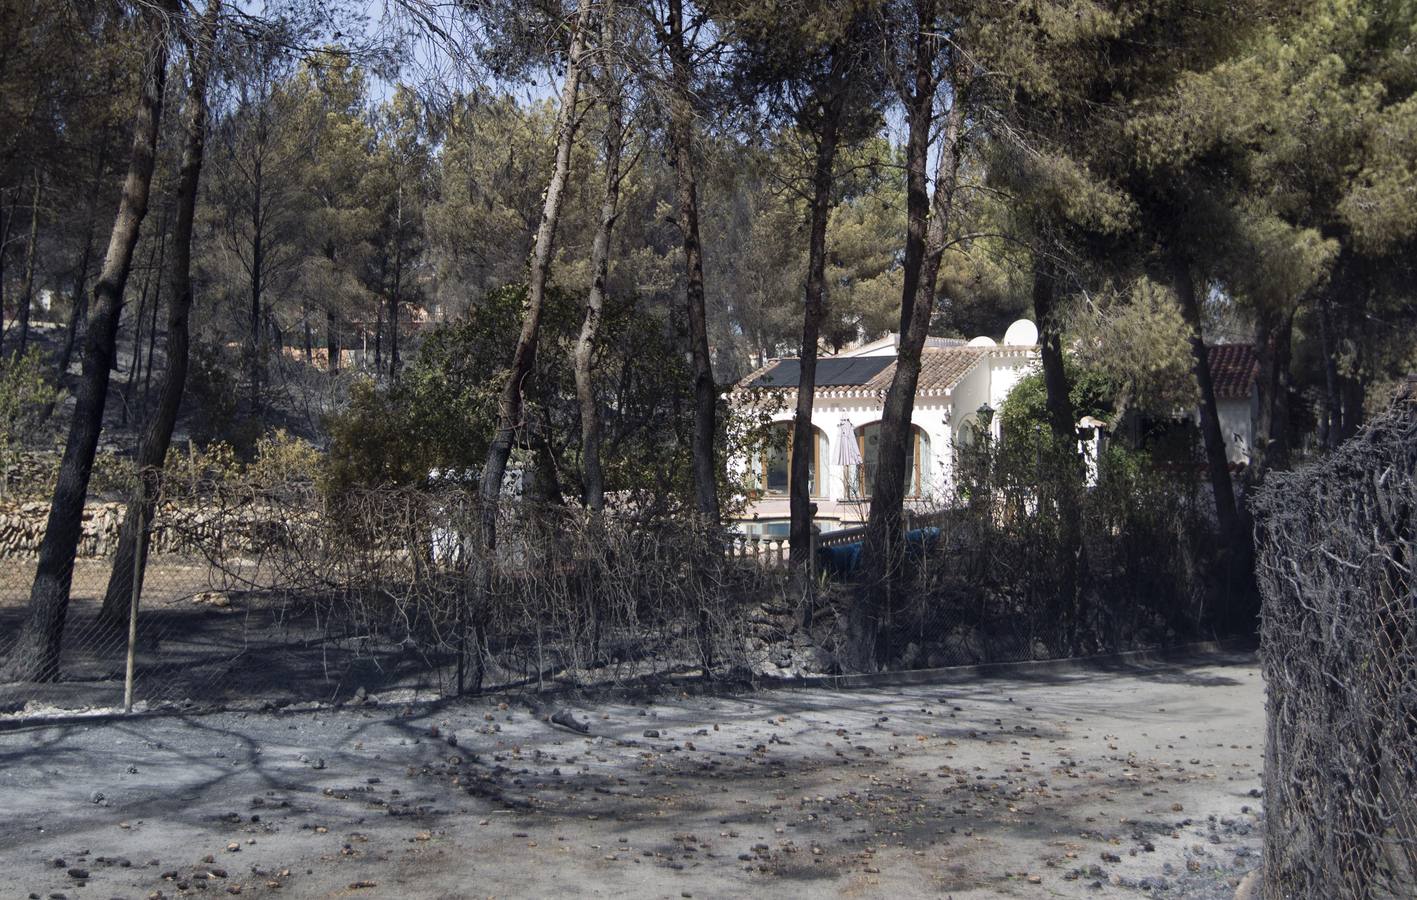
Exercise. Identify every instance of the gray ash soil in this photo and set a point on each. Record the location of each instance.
(1134, 781)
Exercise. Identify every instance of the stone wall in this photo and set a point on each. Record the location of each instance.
(22, 528)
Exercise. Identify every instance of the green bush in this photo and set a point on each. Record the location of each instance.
(25, 392)
(1023, 416)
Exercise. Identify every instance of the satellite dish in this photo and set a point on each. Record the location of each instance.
(982, 341)
(1022, 333)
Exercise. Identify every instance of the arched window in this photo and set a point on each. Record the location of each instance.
(775, 463)
(968, 434)
(916, 475)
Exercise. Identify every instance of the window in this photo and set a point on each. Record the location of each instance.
(775, 464)
(916, 474)
(775, 528)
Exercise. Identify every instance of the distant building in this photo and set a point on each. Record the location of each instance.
(960, 386)
(1234, 370)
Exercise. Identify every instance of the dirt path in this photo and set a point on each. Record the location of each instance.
(1139, 781)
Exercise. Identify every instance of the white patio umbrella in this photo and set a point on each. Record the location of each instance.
(847, 451)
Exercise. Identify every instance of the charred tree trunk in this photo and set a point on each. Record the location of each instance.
(509, 409)
(592, 475)
(152, 348)
(1217, 461)
(1240, 609)
(378, 337)
(258, 258)
(1061, 415)
(394, 296)
(35, 654)
(308, 341)
(81, 278)
(1067, 481)
(22, 313)
(157, 433)
(681, 136)
(332, 347)
(813, 312)
(153, 274)
(882, 547)
(1274, 330)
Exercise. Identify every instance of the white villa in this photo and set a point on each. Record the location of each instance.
(959, 382)
(961, 385)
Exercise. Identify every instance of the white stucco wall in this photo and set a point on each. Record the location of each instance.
(1237, 426)
(939, 417)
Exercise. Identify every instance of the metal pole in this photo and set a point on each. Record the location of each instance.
(138, 553)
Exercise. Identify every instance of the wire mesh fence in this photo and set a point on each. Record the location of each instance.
(263, 586)
(1338, 543)
(395, 594)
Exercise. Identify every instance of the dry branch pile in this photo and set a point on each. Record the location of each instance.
(1337, 550)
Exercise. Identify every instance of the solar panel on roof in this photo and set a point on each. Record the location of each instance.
(846, 372)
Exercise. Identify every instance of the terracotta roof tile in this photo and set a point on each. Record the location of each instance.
(941, 368)
(1233, 369)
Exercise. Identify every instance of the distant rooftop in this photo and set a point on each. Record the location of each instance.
(1233, 369)
(941, 368)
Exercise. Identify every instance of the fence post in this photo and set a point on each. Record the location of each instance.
(139, 551)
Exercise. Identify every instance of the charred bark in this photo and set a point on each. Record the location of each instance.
(885, 524)
(1217, 460)
(34, 656)
(332, 344)
(593, 476)
(157, 433)
(509, 409)
(813, 312)
(1274, 330)
(681, 135)
(1061, 415)
(22, 313)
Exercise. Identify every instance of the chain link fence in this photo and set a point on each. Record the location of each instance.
(261, 586)
(263, 598)
(1337, 548)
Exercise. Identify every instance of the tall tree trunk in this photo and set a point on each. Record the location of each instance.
(1061, 415)
(919, 100)
(509, 409)
(309, 337)
(139, 316)
(153, 274)
(157, 432)
(592, 475)
(332, 346)
(882, 546)
(1217, 462)
(152, 348)
(258, 258)
(378, 337)
(35, 654)
(1274, 329)
(27, 285)
(81, 277)
(1352, 384)
(681, 137)
(799, 498)
(394, 296)
(1067, 482)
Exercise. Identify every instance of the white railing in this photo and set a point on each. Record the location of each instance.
(775, 550)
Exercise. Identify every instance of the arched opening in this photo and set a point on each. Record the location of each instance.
(968, 434)
(917, 474)
(774, 470)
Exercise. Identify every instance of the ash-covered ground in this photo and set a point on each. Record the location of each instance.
(1121, 782)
